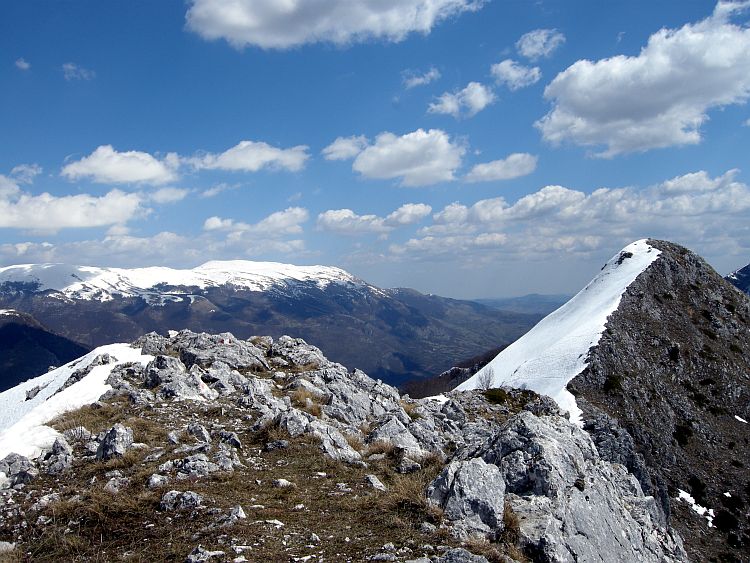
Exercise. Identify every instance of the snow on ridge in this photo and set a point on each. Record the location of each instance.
(23, 421)
(88, 282)
(552, 353)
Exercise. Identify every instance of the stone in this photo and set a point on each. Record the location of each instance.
(176, 500)
(115, 443)
(471, 494)
(199, 432)
(116, 484)
(200, 555)
(156, 481)
(375, 483)
(230, 438)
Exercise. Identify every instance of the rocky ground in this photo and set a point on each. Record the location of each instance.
(230, 450)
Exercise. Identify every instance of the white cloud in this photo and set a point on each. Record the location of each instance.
(220, 188)
(107, 166)
(344, 148)
(23, 64)
(467, 102)
(556, 218)
(252, 156)
(8, 187)
(419, 158)
(514, 166)
(280, 223)
(659, 98)
(515, 75)
(72, 71)
(347, 222)
(408, 214)
(413, 79)
(49, 213)
(25, 173)
(271, 24)
(168, 195)
(539, 43)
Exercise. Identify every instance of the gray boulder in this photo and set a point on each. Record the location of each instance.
(18, 469)
(471, 494)
(115, 443)
(176, 500)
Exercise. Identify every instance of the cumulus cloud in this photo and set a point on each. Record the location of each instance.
(659, 98)
(556, 218)
(344, 148)
(72, 71)
(515, 75)
(168, 195)
(271, 24)
(347, 222)
(467, 102)
(280, 223)
(539, 43)
(514, 166)
(23, 64)
(49, 213)
(419, 158)
(107, 166)
(412, 79)
(252, 156)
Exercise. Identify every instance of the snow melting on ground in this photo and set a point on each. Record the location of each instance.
(740, 419)
(553, 352)
(23, 427)
(85, 282)
(697, 508)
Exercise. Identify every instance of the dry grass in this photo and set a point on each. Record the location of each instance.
(411, 409)
(94, 418)
(307, 401)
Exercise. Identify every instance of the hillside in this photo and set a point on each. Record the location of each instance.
(28, 349)
(203, 447)
(394, 335)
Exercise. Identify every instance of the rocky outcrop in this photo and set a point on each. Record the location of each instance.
(664, 394)
(506, 463)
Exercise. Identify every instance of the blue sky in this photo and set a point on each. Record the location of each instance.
(484, 148)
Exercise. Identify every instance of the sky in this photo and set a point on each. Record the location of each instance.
(466, 148)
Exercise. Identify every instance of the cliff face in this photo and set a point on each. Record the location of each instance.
(673, 369)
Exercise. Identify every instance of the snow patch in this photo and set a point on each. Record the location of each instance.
(23, 420)
(552, 353)
(742, 420)
(708, 513)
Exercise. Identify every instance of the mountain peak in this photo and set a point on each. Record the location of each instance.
(553, 352)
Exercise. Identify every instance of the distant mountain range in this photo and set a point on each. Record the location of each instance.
(393, 334)
(533, 303)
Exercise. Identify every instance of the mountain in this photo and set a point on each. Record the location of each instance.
(200, 447)
(533, 303)
(740, 279)
(28, 349)
(652, 358)
(394, 334)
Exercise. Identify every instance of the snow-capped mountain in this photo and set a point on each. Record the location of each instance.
(551, 354)
(740, 279)
(159, 284)
(652, 358)
(393, 334)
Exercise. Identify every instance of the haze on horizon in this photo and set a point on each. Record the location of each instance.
(466, 148)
